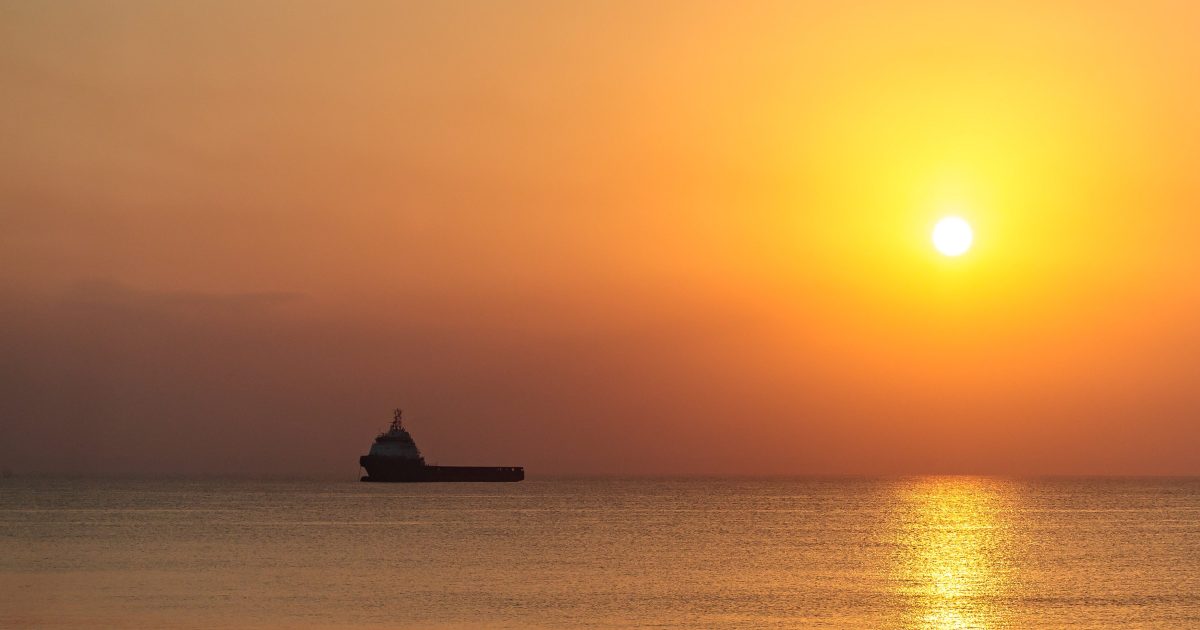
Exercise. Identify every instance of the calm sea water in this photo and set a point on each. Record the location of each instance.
(936, 552)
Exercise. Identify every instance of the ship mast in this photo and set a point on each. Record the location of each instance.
(396, 422)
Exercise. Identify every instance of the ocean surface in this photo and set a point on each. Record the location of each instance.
(920, 552)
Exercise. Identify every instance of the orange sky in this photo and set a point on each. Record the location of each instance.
(600, 237)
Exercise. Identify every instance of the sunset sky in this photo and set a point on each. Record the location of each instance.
(601, 237)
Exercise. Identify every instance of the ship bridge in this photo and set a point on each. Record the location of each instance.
(396, 442)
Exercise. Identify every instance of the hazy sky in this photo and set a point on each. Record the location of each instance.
(612, 237)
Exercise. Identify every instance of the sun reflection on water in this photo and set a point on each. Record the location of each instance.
(953, 541)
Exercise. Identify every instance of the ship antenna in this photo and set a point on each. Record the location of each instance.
(396, 413)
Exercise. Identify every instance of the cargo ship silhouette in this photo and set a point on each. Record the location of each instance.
(395, 457)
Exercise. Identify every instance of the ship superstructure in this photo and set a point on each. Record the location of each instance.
(396, 442)
(395, 457)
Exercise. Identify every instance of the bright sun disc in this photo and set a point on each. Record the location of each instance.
(952, 236)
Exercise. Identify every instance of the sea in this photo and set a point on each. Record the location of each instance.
(906, 552)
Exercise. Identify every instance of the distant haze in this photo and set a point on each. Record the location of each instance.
(626, 238)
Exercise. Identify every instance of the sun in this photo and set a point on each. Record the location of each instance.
(952, 236)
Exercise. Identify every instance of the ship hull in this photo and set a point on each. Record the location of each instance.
(401, 471)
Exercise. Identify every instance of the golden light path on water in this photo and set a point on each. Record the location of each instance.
(954, 545)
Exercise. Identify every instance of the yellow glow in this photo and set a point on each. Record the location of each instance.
(952, 236)
(954, 544)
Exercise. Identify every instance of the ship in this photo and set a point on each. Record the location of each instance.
(395, 457)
